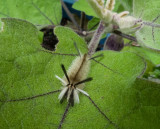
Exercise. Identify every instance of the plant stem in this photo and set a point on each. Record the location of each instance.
(96, 38)
(132, 38)
(70, 15)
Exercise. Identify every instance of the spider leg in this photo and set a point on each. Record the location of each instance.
(64, 115)
(100, 55)
(65, 73)
(65, 96)
(111, 122)
(71, 99)
(63, 93)
(106, 66)
(77, 49)
(29, 98)
(83, 81)
(63, 54)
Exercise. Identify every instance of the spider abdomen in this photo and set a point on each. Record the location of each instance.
(78, 70)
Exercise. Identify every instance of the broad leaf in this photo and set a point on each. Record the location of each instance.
(148, 11)
(93, 23)
(26, 71)
(27, 9)
(126, 5)
(120, 5)
(83, 5)
(152, 56)
(146, 112)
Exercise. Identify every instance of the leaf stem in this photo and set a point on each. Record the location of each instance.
(132, 38)
(95, 39)
(70, 15)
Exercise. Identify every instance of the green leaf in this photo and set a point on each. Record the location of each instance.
(94, 21)
(152, 56)
(148, 11)
(82, 5)
(26, 71)
(66, 36)
(26, 10)
(145, 114)
(123, 5)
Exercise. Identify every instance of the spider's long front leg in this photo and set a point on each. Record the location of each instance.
(32, 97)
